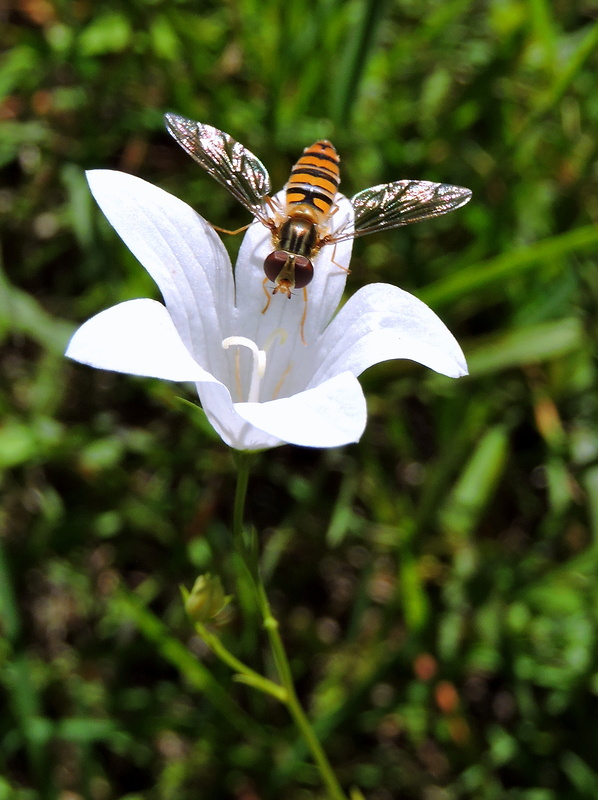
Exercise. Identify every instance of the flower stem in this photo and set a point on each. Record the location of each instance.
(281, 660)
(243, 462)
(244, 673)
(292, 701)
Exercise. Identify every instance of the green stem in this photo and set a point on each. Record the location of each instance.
(292, 702)
(243, 462)
(245, 673)
(271, 625)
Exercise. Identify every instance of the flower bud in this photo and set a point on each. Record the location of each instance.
(207, 599)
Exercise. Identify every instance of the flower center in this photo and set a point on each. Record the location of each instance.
(258, 368)
(259, 362)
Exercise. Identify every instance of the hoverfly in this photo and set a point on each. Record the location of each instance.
(301, 227)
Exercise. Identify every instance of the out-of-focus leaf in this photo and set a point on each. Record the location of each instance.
(164, 39)
(13, 135)
(463, 508)
(486, 274)
(108, 32)
(82, 729)
(18, 444)
(17, 65)
(525, 346)
(581, 775)
(10, 621)
(20, 312)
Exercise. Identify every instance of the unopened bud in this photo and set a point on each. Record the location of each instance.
(207, 599)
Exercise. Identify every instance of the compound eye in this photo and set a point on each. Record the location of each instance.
(274, 264)
(304, 271)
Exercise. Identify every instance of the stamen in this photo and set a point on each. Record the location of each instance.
(259, 363)
(238, 374)
(280, 334)
(278, 386)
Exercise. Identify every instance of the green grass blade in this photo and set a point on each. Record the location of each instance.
(353, 65)
(526, 346)
(487, 274)
(463, 509)
(564, 77)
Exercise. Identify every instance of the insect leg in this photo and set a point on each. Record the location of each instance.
(268, 295)
(336, 264)
(273, 205)
(304, 316)
(230, 233)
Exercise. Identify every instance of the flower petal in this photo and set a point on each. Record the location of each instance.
(137, 337)
(234, 429)
(324, 292)
(180, 251)
(332, 414)
(381, 322)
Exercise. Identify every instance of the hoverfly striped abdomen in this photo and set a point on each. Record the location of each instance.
(315, 179)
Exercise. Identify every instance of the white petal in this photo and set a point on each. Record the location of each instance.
(290, 362)
(181, 252)
(324, 292)
(332, 414)
(234, 429)
(137, 337)
(381, 322)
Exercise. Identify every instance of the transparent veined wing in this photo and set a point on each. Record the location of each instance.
(390, 205)
(225, 159)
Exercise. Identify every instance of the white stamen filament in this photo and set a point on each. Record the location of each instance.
(259, 363)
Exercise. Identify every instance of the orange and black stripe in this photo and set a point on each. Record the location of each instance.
(315, 177)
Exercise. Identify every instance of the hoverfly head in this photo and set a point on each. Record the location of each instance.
(288, 271)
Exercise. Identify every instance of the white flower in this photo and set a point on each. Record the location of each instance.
(259, 384)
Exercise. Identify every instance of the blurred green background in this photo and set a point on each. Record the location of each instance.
(436, 583)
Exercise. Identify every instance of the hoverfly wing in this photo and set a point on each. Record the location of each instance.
(390, 205)
(225, 159)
